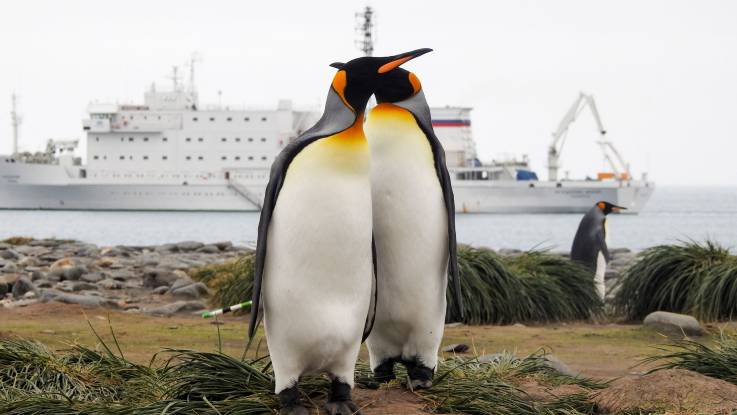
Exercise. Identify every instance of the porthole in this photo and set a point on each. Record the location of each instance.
(237, 158)
(188, 139)
(200, 139)
(188, 158)
(250, 139)
(229, 119)
(212, 118)
(263, 118)
(223, 158)
(223, 139)
(263, 139)
(200, 158)
(237, 140)
(194, 119)
(247, 119)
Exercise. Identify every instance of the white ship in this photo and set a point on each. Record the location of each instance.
(169, 153)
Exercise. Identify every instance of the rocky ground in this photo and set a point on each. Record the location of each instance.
(136, 279)
(147, 279)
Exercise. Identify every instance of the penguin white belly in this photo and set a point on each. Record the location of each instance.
(318, 271)
(411, 235)
(600, 274)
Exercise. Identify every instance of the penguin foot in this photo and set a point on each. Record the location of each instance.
(384, 373)
(294, 410)
(290, 403)
(342, 408)
(420, 376)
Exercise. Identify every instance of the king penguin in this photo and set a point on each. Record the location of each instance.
(414, 231)
(590, 244)
(314, 267)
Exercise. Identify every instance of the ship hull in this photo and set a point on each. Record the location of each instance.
(470, 197)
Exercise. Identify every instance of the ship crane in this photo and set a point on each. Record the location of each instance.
(612, 156)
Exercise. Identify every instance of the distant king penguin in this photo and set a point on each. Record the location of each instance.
(590, 244)
(414, 231)
(314, 267)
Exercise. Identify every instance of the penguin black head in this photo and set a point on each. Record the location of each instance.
(397, 85)
(608, 208)
(358, 79)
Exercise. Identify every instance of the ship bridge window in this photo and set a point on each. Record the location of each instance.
(194, 119)
(122, 157)
(130, 138)
(223, 158)
(145, 157)
(200, 139)
(164, 139)
(223, 139)
(237, 158)
(96, 157)
(263, 118)
(164, 158)
(229, 119)
(263, 157)
(212, 118)
(188, 158)
(250, 139)
(263, 139)
(237, 140)
(250, 157)
(145, 138)
(200, 158)
(188, 139)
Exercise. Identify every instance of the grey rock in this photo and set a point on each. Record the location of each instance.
(209, 249)
(72, 273)
(110, 284)
(182, 282)
(554, 363)
(10, 254)
(42, 283)
(122, 275)
(9, 279)
(74, 286)
(9, 267)
(673, 323)
(192, 291)
(160, 290)
(176, 307)
(166, 248)
(93, 277)
(4, 289)
(455, 348)
(81, 299)
(158, 278)
(22, 286)
(187, 246)
(224, 246)
(36, 273)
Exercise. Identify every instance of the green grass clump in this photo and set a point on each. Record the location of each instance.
(17, 240)
(81, 381)
(690, 277)
(530, 287)
(231, 282)
(718, 362)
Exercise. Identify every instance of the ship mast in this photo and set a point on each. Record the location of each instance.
(365, 31)
(15, 121)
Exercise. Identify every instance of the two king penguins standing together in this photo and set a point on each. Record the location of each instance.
(357, 238)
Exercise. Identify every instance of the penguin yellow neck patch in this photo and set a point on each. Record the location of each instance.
(339, 82)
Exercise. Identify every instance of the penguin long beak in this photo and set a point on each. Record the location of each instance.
(396, 60)
(618, 208)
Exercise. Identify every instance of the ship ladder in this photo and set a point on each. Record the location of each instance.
(245, 193)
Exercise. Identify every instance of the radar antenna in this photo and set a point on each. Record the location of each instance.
(365, 31)
(194, 59)
(175, 77)
(15, 121)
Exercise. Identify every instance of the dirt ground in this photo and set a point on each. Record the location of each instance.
(602, 351)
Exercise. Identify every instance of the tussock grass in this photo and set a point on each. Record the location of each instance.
(231, 282)
(530, 287)
(17, 240)
(82, 381)
(690, 277)
(719, 361)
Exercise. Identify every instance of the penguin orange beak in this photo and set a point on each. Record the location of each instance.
(396, 60)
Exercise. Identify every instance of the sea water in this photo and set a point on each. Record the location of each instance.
(673, 214)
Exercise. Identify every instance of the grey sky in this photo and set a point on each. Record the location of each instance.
(664, 73)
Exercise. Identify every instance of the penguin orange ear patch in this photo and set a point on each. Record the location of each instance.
(601, 205)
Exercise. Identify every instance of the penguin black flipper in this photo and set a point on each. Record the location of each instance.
(371, 317)
(336, 118)
(417, 105)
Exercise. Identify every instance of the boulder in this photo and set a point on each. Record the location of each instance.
(554, 363)
(673, 323)
(159, 277)
(176, 307)
(224, 246)
(160, 290)
(122, 275)
(73, 286)
(92, 277)
(72, 273)
(4, 289)
(187, 246)
(191, 291)
(110, 284)
(80, 299)
(9, 267)
(209, 249)
(9, 254)
(9, 279)
(22, 286)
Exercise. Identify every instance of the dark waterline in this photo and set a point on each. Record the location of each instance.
(674, 213)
